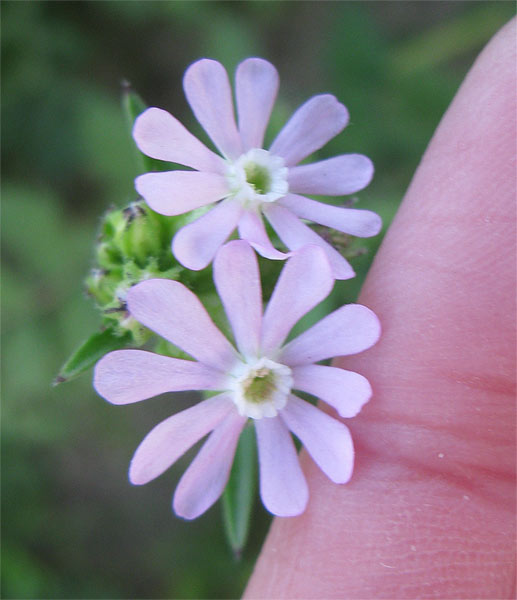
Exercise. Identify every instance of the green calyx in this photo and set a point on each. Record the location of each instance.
(258, 177)
(260, 386)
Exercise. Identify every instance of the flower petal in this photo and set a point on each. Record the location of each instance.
(174, 312)
(177, 192)
(362, 223)
(196, 244)
(296, 234)
(346, 391)
(315, 123)
(251, 229)
(348, 330)
(256, 86)
(283, 487)
(326, 439)
(337, 176)
(127, 376)
(159, 135)
(164, 444)
(205, 479)
(304, 282)
(208, 92)
(237, 279)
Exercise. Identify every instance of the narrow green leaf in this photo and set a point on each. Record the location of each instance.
(133, 106)
(89, 352)
(132, 103)
(239, 494)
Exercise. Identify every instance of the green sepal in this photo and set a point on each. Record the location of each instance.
(89, 352)
(239, 494)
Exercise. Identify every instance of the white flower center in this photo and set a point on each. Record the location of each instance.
(257, 177)
(261, 388)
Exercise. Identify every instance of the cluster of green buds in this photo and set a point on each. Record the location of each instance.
(133, 245)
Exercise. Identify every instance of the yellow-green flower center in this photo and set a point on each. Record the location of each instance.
(258, 177)
(259, 387)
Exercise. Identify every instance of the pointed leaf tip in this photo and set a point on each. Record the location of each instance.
(89, 352)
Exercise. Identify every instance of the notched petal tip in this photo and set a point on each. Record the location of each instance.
(260, 65)
(341, 111)
(371, 224)
(148, 118)
(369, 320)
(203, 62)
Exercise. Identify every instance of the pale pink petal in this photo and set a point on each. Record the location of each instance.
(327, 440)
(304, 282)
(196, 244)
(251, 229)
(283, 488)
(177, 192)
(205, 479)
(159, 135)
(346, 391)
(348, 330)
(127, 376)
(164, 444)
(174, 312)
(209, 94)
(337, 176)
(237, 279)
(362, 223)
(256, 85)
(296, 234)
(315, 123)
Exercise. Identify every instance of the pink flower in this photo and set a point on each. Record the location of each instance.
(255, 379)
(248, 182)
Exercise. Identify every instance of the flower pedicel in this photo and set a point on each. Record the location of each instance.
(255, 379)
(248, 182)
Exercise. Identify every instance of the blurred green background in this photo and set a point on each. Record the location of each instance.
(72, 526)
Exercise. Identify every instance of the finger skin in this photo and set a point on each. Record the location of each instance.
(429, 512)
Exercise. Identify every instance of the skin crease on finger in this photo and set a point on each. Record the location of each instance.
(429, 512)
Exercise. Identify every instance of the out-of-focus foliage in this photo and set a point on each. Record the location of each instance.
(73, 527)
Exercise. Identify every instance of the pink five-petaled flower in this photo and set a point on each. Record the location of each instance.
(248, 182)
(255, 379)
